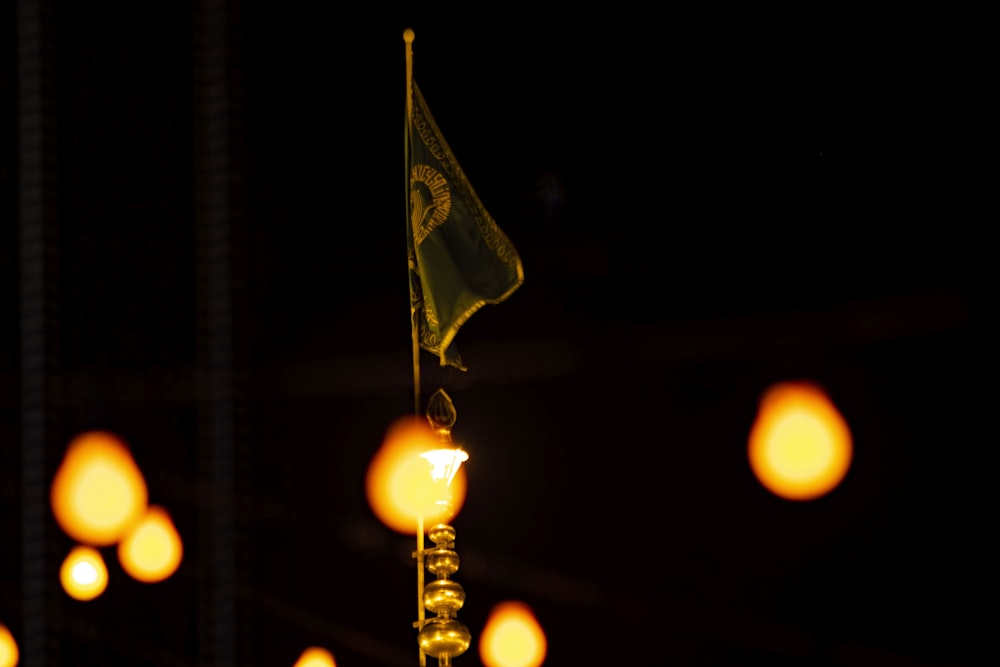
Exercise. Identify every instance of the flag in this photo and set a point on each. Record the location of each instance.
(459, 259)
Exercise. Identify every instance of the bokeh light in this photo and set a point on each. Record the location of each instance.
(512, 637)
(316, 657)
(800, 446)
(98, 491)
(152, 550)
(399, 485)
(8, 648)
(83, 574)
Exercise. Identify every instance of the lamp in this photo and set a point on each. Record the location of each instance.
(441, 636)
(445, 463)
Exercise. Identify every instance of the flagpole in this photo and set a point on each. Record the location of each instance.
(421, 616)
(414, 325)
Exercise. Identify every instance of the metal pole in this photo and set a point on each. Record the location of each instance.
(421, 616)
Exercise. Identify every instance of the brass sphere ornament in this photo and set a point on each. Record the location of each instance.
(444, 638)
(442, 562)
(444, 597)
(441, 534)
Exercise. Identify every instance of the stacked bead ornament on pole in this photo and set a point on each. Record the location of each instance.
(441, 636)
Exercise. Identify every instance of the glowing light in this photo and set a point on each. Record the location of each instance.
(512, 637)
(152, 550)
(8, 648)
(83, 574)
(98, 491)
(316, 657)
(445, 463)
(800, 446)
(399, 485)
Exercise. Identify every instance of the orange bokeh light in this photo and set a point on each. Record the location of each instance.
(316, 657)
(8, 648)
(399, 485)
(98, 491)
(152, 550)
(512, 637)
(83, 574)
(800, 446)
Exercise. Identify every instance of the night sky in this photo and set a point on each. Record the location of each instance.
(705, 204)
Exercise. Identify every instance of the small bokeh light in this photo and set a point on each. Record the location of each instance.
(8, 648)
(399, 485)
(98, 492)
(83, 574)
(315, 657)
(512, 637)
(152, 550)
(800, 446)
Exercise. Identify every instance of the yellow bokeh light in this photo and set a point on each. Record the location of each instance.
(152, 550)
(316, 657)
(800, 446)
(83, 574)
(98, 491)
(399, 485)
(512, 637)
(8, 648)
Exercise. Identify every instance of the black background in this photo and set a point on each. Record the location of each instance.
(705, 204)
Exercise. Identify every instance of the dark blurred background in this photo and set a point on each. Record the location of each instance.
(203, 245)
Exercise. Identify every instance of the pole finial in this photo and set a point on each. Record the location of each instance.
(408, 35)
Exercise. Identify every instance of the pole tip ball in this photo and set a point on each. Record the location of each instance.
(408, 35)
